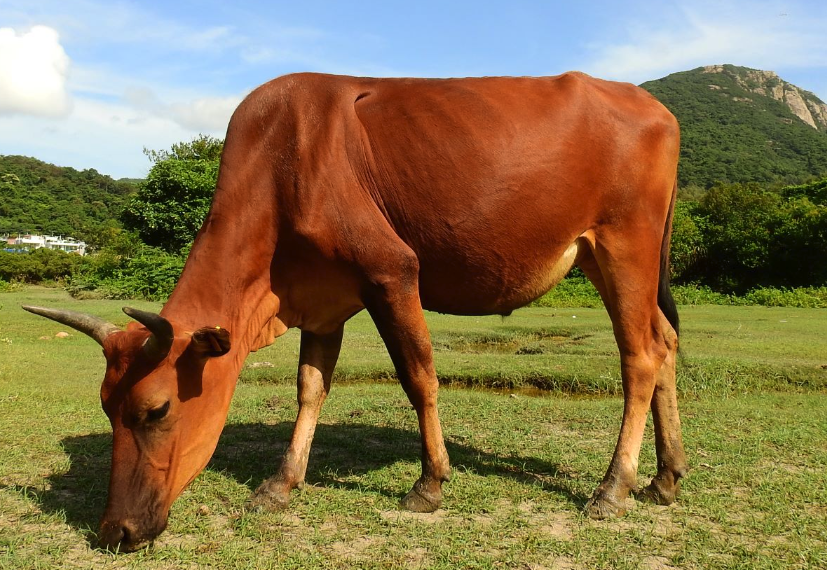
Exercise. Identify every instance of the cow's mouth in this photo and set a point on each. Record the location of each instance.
(123, 536)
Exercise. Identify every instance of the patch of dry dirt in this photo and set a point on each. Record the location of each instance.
(356, 549)
(416, 558)
(657, 563)
(427, 518)
(556, 563)
(555, 524)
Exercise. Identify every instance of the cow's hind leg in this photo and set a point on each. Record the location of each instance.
(668, 442)
(627, 278)
(317, 359)
(392, 300)
(672, 465)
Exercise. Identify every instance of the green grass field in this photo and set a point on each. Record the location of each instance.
(526, 456)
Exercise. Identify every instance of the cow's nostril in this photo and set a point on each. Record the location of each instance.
(111, 535)
(126, 535)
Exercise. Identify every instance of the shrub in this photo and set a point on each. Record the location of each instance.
(687, 243)
(739, 237)
(38, 265)
(8, 286)
(699, 295)
(802, 297)
(574, 291)
(129, 269)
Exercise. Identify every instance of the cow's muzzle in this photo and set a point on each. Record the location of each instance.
(125, 535)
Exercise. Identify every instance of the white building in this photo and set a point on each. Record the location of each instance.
(34, 241)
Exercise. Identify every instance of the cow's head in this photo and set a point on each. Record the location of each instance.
(166, 415)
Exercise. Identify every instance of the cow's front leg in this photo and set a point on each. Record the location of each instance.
(317, 359)
(394, 305)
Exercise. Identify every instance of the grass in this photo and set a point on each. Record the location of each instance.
(525, 461)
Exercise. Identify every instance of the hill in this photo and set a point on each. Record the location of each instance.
(39, 197)
(744, 125)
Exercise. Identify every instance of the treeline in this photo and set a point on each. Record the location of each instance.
(127, 268)
(737, 237)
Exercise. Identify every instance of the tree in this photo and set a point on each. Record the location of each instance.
(202, 147)
(687, 242)
(741, 236)
(171, 204)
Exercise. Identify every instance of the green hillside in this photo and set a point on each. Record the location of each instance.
(40, 197)
(744, 125)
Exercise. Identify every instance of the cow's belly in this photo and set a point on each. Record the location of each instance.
(457, 287)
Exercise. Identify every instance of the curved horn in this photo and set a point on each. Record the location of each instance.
(95, 327)
(158, 345)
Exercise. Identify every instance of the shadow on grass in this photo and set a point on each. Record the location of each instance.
(250, 453)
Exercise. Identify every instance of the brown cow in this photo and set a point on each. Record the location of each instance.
(336, 194)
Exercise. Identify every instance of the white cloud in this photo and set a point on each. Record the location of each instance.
(33, 73)
(208, 114)
(109, 137)
(201, 114)
(755, 34)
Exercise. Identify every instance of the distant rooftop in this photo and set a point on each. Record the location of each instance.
(21, 241)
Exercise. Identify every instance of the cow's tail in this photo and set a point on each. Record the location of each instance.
(666, 302)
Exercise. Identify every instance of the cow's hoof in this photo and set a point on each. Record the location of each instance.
(268, 498)
(603, 506)
(658, 492)
(418, 500)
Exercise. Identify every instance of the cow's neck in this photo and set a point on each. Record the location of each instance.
(226, 279)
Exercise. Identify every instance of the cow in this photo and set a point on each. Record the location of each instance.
(336, 194)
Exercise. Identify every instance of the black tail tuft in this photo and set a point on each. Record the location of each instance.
(665, 300)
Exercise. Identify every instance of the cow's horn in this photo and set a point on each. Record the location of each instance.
(95, 327)
(158, 345)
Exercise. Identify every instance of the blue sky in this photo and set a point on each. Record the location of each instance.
(90, 83)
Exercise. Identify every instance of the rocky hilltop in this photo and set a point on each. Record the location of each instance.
(803, 104)
(744, 125)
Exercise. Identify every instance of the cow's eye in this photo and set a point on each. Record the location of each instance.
(158, 413)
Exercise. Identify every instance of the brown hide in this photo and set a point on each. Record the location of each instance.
(465, 196)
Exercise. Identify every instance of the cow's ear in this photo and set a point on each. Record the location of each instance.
(211, 341)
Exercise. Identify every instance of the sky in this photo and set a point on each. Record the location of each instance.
(91, 83)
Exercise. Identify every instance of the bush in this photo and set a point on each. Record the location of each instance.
(579, 292)
(7, 287)
(739, 237)
(573, 291)
(687, 244)
(699, 295)
(38, 265)
(816, 192)
(802, 297)
(128, 269)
